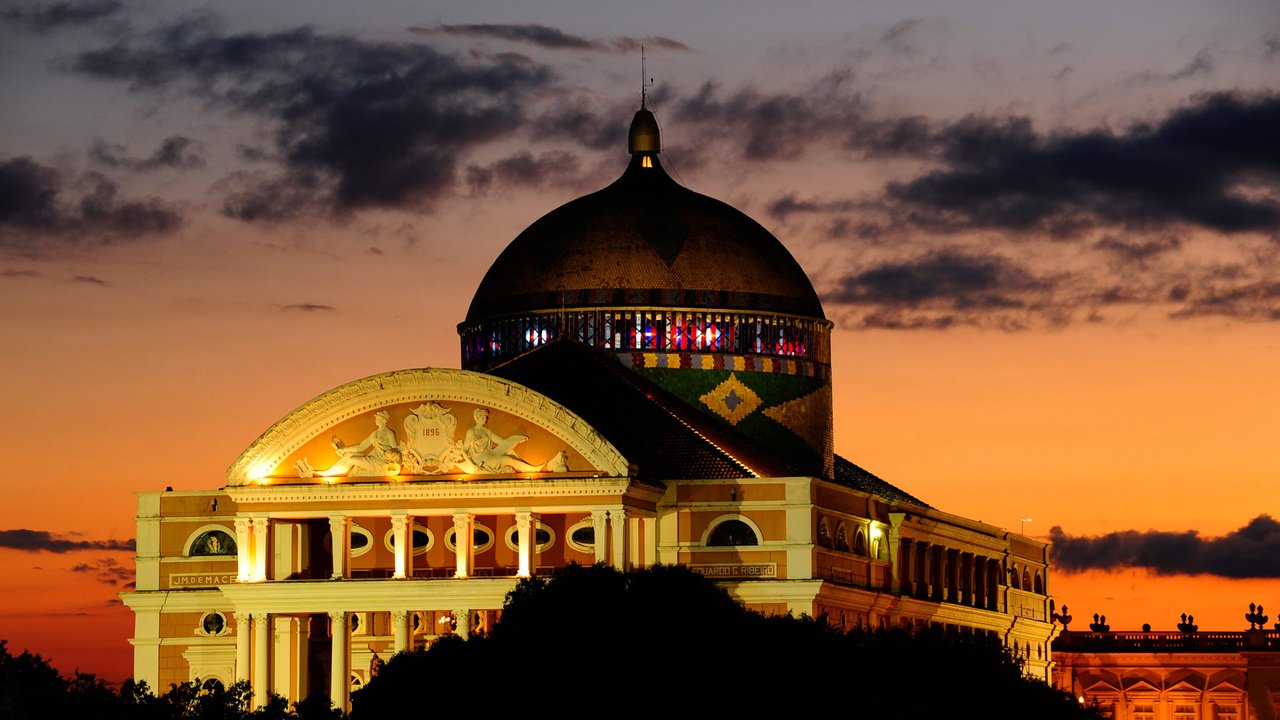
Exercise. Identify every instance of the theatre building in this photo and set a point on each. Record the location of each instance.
(646, 378)
(1172, 675)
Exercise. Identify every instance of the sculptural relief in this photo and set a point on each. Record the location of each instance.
(431, 447)
(378, 454)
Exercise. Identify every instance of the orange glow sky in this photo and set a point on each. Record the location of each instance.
(1110, 364)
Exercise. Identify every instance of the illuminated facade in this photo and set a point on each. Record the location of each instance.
(1172, 675)
(646, 380)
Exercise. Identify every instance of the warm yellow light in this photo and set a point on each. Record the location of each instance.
(646, 161)
(876, 532)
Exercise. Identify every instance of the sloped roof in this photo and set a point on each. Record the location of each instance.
(853, 476)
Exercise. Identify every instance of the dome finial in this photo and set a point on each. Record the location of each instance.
(644, 137)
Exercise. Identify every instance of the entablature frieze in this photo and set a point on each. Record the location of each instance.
(951, 537)
(193, 600)
(373, 499)
(308, 596)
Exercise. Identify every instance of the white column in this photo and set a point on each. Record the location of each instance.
(634, 548)
(599, 522)
(302, 651)
(618, 524)
(525, 541)
(897, 568)
(464, 547)
(261, 663)
(244, 630)
(283, 658)
(261, 535)
(400, 628)
(340, 529)
(244, 568)
(401, 540)
(339, 658)
(650, 540)
(463, 618)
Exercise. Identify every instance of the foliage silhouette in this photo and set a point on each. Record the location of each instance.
(31, 689)
(668, 640)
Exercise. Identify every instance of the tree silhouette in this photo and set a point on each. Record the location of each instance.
(667, 641)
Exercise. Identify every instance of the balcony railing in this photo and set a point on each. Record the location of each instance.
(1167, 641)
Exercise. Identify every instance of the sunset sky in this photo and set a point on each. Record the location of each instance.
(1048, 234)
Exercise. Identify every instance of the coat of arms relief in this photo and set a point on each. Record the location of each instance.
(430, 447)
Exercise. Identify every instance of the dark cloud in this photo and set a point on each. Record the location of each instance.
(52, 16)
(523, 169)
(355, 124)
(947, 288)
(582, 125)
(37, 207)
(1271, 46)
(107, 570)
(1256, 300)
(1252, 551)
(1188, 169)
(1201, 64)
(176, 152)
(9, 272)
(90, 280)
(787, 205)
(774, 126)
(900, 35)
(41, 540)
(1138, 251)
(767, 127)
(553, 38)
(310, 307)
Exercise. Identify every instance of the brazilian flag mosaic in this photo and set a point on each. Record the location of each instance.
(788, 414)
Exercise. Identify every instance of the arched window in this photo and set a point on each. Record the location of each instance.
(842, 538)
(1039, 587)
(732, 532)
(1013, 577)
(824, 532)
(1026, 579)
(860, 543)
(212, 543)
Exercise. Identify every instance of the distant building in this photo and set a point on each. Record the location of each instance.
(647, 380)
(1172, 675)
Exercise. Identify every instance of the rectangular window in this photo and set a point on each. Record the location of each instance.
(1184, 712)
(1144, 712)
(1225, 712)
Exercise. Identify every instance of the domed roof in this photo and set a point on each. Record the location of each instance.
(645, 241)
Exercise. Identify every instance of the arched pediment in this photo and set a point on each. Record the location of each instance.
(421, 424)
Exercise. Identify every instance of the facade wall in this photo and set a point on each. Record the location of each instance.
(1173, 675)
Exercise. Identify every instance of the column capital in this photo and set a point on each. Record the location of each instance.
(243, 617)
(242, 522)
(399, 615)
(524, 519)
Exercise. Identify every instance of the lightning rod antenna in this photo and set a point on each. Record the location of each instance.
(646, 82)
